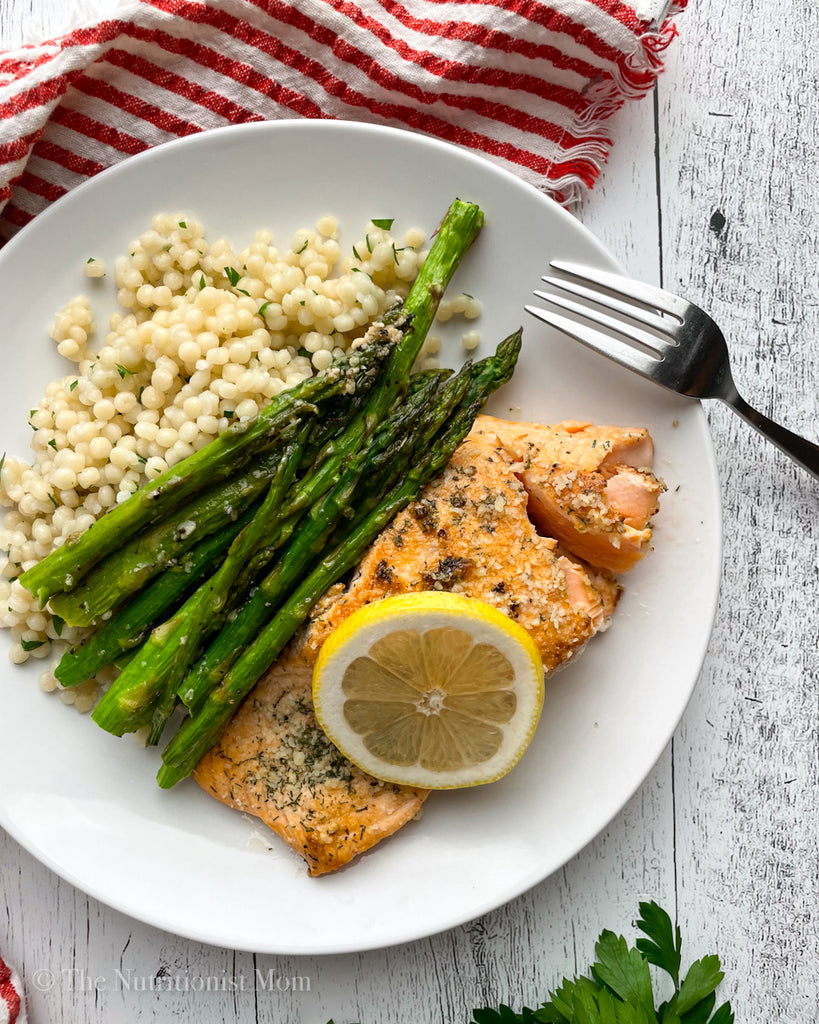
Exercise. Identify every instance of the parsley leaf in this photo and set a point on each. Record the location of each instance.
(58, 624)
(385, 225)
(623, 970)
(662, 947)
(700, 982)
(724, 1015)
(263, 307)
(31, 645)
(73, 384)
(233, 275)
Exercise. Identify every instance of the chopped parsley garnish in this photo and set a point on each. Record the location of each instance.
(73, 385)
(91, 259)
(355, 253)
(298, 252)
(58, 624)
(31, 645)
(263, 308)
(385, 225)
(233, 275)
(183, 224)
(123, 370)
(53, 444)
(201, 280)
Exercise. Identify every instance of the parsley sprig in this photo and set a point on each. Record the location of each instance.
(619, 989)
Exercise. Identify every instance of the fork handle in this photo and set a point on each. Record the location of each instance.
(803, 452)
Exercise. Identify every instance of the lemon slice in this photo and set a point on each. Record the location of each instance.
(430, 689)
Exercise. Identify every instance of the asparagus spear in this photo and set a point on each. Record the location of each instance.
(128, 626)
(138, 560)
(149, 680)
(198, 733)
(366, 479)
(63, 568)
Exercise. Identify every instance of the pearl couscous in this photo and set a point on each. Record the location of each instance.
(206, 336)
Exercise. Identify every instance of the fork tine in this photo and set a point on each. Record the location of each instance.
(643, 316)
(622, 353)
(643, 338)
(645, 293)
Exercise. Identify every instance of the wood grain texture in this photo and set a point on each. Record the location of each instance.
(712, 189)
(739, 165)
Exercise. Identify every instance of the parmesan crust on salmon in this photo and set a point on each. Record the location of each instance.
(531, 519)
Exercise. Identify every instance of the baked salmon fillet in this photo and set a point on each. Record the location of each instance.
(470, 532)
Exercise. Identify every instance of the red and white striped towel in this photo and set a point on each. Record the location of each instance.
(12, 1000)
(528, 84)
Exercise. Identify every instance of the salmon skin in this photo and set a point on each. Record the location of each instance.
(509, 521)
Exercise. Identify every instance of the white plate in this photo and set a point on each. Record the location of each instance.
(86, 804)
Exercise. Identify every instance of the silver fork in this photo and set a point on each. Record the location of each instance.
(683, 350)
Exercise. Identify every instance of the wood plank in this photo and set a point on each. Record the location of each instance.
(738, 173)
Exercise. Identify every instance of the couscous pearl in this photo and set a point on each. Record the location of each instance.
(104, 410)
(166, 437)
(64, 478)
(218, 356)
(247, 409)
(432, 344)
(189, 431)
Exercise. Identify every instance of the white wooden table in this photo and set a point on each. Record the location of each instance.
(711, 189)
